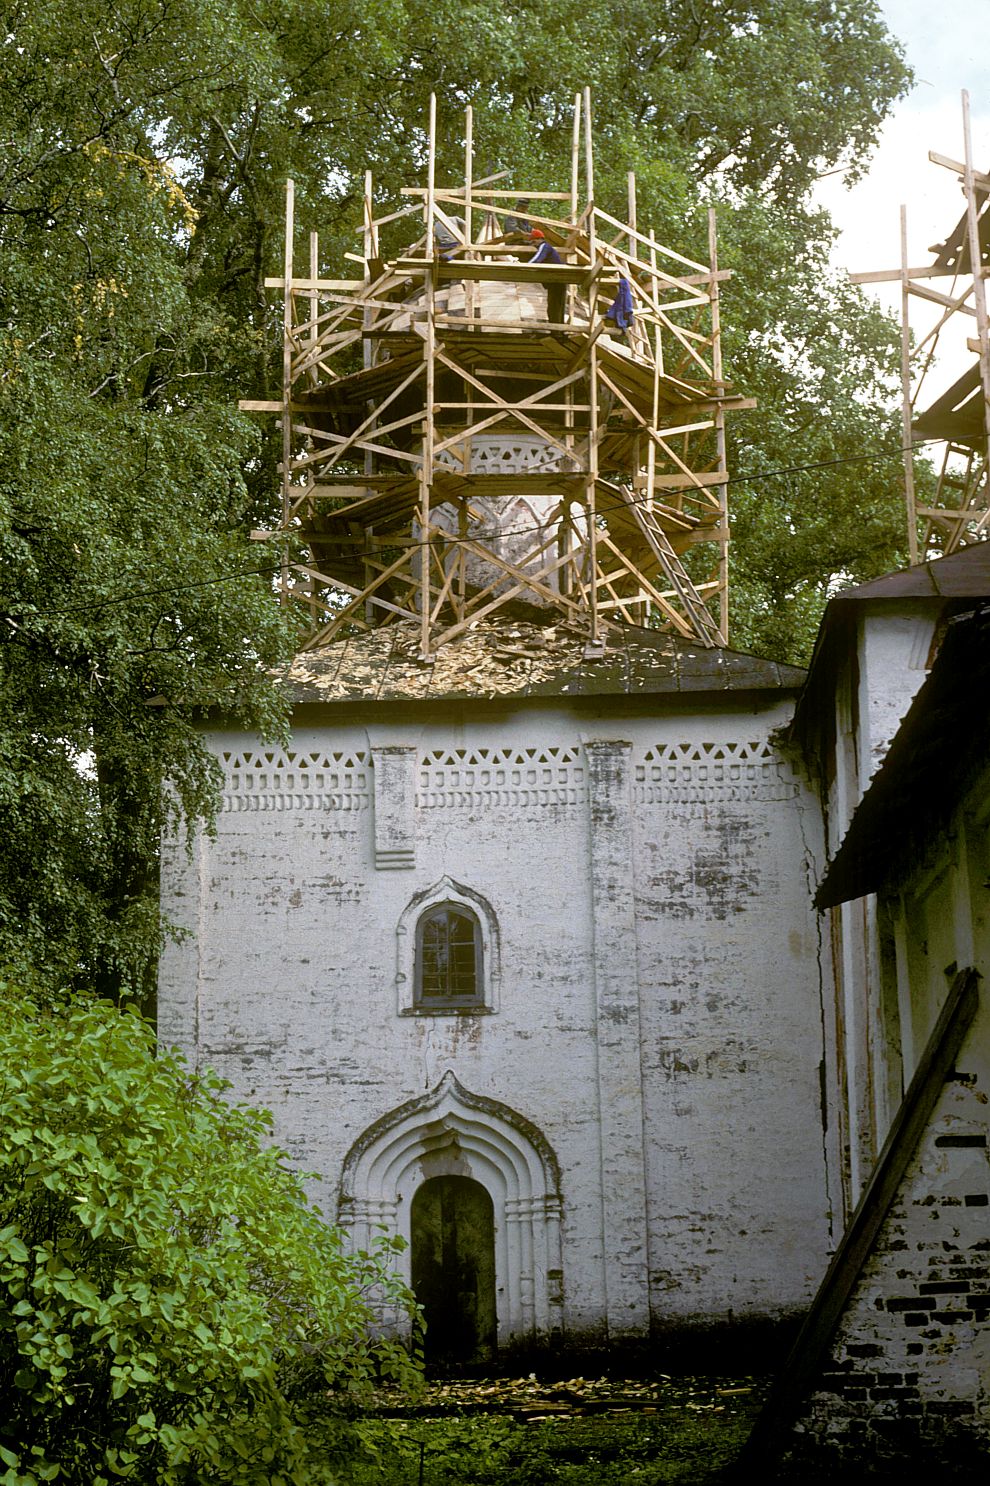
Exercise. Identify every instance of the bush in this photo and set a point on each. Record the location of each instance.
(171, 1308)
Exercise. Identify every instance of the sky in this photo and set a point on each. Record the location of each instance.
(946, 44)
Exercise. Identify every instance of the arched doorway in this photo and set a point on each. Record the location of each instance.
(452, 1132)
(453, 1268)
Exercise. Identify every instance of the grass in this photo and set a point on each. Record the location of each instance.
(571, 1433)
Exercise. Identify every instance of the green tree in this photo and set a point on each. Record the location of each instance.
(124, 509)
(146, 143)
(816, 500)
(172, 1308)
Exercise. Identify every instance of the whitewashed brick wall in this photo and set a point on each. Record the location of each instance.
(659, 1016)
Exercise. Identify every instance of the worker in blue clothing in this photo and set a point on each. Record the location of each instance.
(547, 253)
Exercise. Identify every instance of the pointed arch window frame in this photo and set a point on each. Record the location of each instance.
(455, 896)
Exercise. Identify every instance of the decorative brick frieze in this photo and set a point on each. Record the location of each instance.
(668, 773)
(271, 779)
(497, 778)
(711, 773)
(501, 778)
(494, 455)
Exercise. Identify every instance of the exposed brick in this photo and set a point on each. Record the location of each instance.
(832, 1382)
(977, 1199)
(890, 1430)
(906, 1303)
(944, 1287)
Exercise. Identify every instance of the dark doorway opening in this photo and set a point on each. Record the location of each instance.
(453, 1269)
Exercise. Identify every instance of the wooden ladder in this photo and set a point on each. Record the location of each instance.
(695, 609)
(951, 513)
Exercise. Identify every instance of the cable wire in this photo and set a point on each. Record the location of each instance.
(453, 541)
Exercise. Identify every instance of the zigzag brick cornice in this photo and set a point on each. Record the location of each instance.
(274, 779)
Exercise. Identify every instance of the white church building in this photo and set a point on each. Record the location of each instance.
(592, 958)
(536, 928)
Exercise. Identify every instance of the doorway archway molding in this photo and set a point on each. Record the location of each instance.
(453, 1132)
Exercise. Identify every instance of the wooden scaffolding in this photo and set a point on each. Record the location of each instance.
(466, 430)
(957, 422)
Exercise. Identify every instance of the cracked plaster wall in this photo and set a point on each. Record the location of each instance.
(659, 1016)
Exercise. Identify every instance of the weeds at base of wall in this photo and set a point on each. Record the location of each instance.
(688, 1433)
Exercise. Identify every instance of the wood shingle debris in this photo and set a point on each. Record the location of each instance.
(493, 659)
(531, 1398)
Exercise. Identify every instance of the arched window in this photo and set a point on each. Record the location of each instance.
(448, 958)
(449, 966)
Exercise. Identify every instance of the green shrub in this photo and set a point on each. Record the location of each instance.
(171, 1308)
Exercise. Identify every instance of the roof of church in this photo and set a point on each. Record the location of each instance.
(495, 659)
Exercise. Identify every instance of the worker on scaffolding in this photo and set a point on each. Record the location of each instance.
(517, 224)
(447, 241)
(547, 253)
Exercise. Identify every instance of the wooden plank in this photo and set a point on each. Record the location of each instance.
(371, 424)
(893, 275)
(287, 329)
(975, 258)
(387, 483)
(310, 459)
(936, 298)
(907, 457)
(482, 191)
(342, 443)
(650, 242)
(455, 269)
(508, 407)
(545, 327)
(299, 285)
(575, 155)
(560, 600)
(959, 167)
(531, 403)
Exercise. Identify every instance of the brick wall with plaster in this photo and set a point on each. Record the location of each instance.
(657, 1014)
